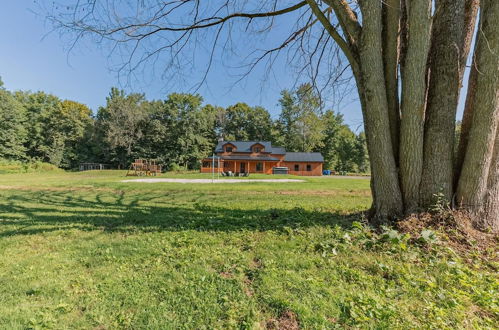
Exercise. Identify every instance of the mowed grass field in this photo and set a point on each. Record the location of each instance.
(84, 250)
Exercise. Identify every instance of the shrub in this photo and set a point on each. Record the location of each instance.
(174, 167)
(11, 166)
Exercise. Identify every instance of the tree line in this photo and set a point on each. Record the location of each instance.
(178, 132)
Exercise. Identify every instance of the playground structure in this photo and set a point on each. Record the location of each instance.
(144, 167)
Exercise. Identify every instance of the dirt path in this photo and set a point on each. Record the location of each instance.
(212, 181)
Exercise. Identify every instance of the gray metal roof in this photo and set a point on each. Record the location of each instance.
(244, 157)
(278, 151)
(244, 146)
(303, 157)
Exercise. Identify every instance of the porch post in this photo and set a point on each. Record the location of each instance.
(212, 168)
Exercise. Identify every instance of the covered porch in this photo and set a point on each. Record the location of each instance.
(210, 165)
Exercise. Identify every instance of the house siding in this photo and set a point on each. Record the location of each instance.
(315, 168)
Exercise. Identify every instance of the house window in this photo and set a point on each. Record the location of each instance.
(297, 167)
(259, 167)
(257, 149)
(228, 149)
(309, 167)
(206, 164)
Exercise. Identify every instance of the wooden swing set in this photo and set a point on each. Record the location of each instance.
(144, 167)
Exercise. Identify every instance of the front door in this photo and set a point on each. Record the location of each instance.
(243, 168)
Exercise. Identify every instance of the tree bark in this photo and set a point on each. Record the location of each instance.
(470, 15)
(347, 19)
(371, 85)
(391, 28)
(414, 101)
(489, 217)
(443, 93)
(474, 178)
(466, 121)
(403, 37)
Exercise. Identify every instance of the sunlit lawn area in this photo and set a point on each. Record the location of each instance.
(84, 250)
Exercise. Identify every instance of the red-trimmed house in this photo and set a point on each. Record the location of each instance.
(261, 157)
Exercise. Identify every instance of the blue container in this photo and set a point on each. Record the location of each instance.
(326, 172)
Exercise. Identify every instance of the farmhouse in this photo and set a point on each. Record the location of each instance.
(261, 157)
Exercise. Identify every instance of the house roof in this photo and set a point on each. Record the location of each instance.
(278, 151)
(303, 157)
(244, 157)
(244, 146)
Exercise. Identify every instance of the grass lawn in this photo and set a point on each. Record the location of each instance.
(84, 250)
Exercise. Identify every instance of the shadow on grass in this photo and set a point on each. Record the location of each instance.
(30, 213)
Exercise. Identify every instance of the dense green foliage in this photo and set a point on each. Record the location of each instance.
(244, 123)
(17, 166)
(120, 124)
(178, 132)
(302, 127)
(12, 130)
(54, 128)
(341, 148)
(86, 251)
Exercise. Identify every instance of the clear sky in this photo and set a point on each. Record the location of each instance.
(32, 60)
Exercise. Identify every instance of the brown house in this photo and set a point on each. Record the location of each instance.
(261, 157)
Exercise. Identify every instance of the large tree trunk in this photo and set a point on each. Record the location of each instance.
(391, 24)
(489, 217)
(414, 101)
(371, 85)
(470, 16)
(474, 178)
(403, 37)
(468, 29)
(443, 93)
(466, 122)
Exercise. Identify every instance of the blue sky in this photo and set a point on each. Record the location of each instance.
(32, 60)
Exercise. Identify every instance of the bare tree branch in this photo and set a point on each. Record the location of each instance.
(178, 35)
(334, 34)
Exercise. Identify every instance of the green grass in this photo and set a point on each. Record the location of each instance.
(84, 250)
